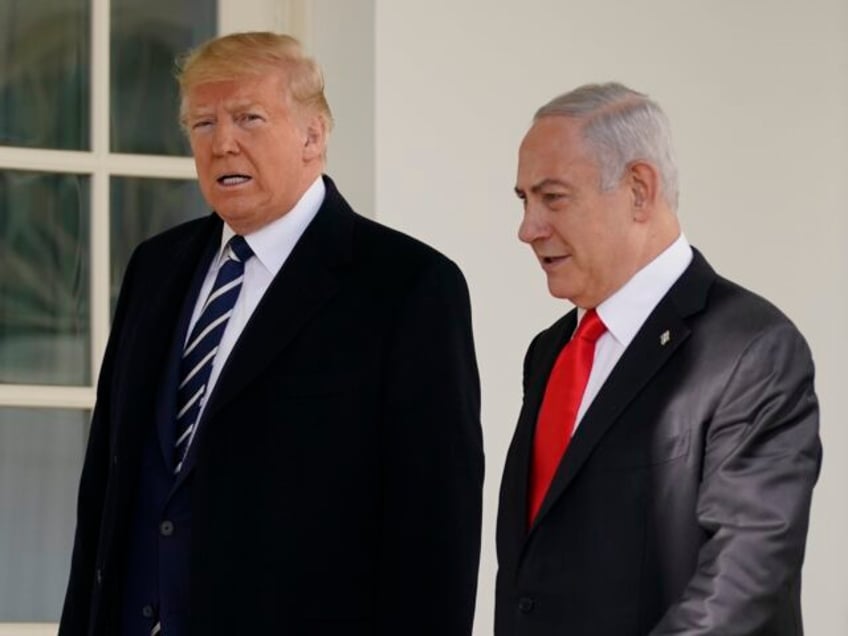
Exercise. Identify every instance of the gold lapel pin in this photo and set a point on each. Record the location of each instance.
(665, 338)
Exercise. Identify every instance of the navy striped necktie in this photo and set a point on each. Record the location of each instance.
(202, 344)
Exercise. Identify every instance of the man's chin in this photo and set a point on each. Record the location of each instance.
(559, 290)
(242, 220)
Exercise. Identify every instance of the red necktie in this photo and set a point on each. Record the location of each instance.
(558, 414)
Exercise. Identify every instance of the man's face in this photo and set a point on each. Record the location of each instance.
(254, 155)
(581, 236)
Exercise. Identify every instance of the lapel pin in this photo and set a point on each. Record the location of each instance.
(665, 338)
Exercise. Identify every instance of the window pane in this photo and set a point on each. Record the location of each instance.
(142, 208)
(41, 454)
(147, 37)
(44, 278)
(44, 73)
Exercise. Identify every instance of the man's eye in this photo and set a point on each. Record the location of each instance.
(201, 124)
(552, 197)
(247, 118)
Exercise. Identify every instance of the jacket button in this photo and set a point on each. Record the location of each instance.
(526, 604)
(166, 528)
(98, 575)
(147, 611)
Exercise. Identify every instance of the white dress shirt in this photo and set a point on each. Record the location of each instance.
(626, 311)
(271, 246)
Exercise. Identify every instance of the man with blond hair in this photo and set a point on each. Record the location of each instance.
(660, 476)
(286, 438)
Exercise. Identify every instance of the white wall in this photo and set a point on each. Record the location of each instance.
(757, 91)
(341, 38)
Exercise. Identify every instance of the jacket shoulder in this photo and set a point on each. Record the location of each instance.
(401, 257)
(741, 314)
(171, 238)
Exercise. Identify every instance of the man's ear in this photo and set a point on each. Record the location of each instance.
(643, 180)
(315, 139)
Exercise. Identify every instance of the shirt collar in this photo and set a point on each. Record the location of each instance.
(273, 243)
(626, 310)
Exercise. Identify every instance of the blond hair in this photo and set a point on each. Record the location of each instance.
(253, 54)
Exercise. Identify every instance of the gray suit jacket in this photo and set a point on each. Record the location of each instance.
(681, 506)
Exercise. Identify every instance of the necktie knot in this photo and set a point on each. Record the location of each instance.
(239, 249)
(591, 327)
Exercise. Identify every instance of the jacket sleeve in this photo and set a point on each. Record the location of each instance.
(762, 458)
(432, 464)
(83, 578)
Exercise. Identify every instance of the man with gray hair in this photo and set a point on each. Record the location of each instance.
(660, 476)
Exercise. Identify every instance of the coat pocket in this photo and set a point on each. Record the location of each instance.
(645, 452)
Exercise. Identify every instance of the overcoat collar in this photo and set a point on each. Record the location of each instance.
(156, 297)
(309, 278)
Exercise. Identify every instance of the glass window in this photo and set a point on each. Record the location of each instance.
(57, 274)
(44, 73)
(41, 454)
(147, 38)
(44, 278)
(142, 208)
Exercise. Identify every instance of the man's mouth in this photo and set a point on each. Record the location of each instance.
(233, 179)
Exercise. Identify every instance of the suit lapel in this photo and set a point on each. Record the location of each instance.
(542, 356)
(660, 336)
(309, 278)
(166, 402)
(153, 335)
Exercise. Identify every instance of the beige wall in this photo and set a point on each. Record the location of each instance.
(341, 36)
(757, 91)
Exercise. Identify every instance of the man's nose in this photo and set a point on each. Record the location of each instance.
(224, 139)
(533, 225)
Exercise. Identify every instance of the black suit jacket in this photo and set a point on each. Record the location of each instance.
(681, 505)
(336, 487)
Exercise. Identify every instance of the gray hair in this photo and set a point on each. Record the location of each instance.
(620, 126)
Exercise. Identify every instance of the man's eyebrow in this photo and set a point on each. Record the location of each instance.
(242, 104)
(545, 183)
(549, 182)
(199, 112)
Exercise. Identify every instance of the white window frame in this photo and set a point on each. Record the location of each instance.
(99, 164)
